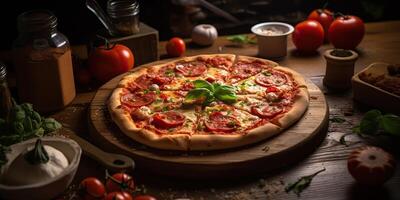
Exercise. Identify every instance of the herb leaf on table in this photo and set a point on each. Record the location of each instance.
(375, 122)
(302, 183)
(337, 120)
(242, 39)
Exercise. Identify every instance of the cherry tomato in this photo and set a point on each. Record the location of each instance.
(91, 188)
(346, 32)
(176, 47)
(144, 197)
(308, 36)
(324, 17)
(120, 182)
(371, 165)
(118, 196)
(108, 62)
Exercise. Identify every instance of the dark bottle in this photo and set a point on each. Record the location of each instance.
(5, 96)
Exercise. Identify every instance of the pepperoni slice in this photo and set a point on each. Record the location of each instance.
(144, 81)
(137, 99)
(266, 110)
(273, 79)
(244, 70)
(219, 62)
(169, 119)
(191, 69)
(217, 122)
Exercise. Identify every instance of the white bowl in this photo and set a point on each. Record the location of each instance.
(272, 38)
(50, 188)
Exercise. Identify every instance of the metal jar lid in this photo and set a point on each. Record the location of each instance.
(122, 8)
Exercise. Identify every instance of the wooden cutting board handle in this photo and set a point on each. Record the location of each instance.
(112, 161)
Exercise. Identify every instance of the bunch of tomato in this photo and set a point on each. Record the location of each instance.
(119, 186)
(344, 31)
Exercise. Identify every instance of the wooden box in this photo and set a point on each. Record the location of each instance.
(144, 44)
(374, 96)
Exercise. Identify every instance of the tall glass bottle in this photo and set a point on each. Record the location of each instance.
(5, 96)
(43, 62)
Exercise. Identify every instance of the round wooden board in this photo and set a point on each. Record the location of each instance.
(286, 148)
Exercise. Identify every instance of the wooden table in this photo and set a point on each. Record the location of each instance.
(381, 43)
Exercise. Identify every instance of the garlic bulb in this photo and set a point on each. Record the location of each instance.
(204, 34)
(47, 163)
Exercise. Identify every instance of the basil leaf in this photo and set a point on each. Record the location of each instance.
(27, 107)
(28, 124)
(302, 183)
(198, 95)
(370, 122)
(18, 114)
(390, 124)
(337, 120)
(225, 94)
(51, 125)
(203, 84)
(3, 125)
(18, 128)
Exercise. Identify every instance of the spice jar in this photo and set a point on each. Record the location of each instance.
(43, 62)
(5, 96)
(124, 15)
(339, 68)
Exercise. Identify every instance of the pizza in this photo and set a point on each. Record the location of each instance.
(208, 102)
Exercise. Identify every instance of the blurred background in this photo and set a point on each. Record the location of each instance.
(178, 17)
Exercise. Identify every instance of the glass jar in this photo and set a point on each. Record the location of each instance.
(5, 96)
(43, 63)
(124, 15)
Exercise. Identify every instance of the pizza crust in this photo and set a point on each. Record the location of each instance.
(216, 142)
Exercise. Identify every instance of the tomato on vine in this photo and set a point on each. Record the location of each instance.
(120, 182)
(110, 60)
(91, 188)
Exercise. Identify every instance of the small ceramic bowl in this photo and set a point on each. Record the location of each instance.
(272, 39)
(49, 188)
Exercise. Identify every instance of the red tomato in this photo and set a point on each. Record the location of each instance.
(176, 47)
(371, 165)
(308, 36)
(106, 63)
(118, 196)
(346, 32)
(144, 197)
(169, 119)
(120, 182)
(324, 17)
(91, 188)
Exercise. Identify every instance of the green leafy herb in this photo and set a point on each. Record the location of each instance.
(205, 93)
(267, 73)
(302, 183)
(337, 120)
(390, 124)
(374, 122)
(169, 72)
(242, 39)
(197, 95)
(203, 84)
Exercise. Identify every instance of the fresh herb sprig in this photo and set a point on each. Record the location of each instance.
(302, 183)
(205, 93)
(374, 122)
(242, 39)
(24, 123)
